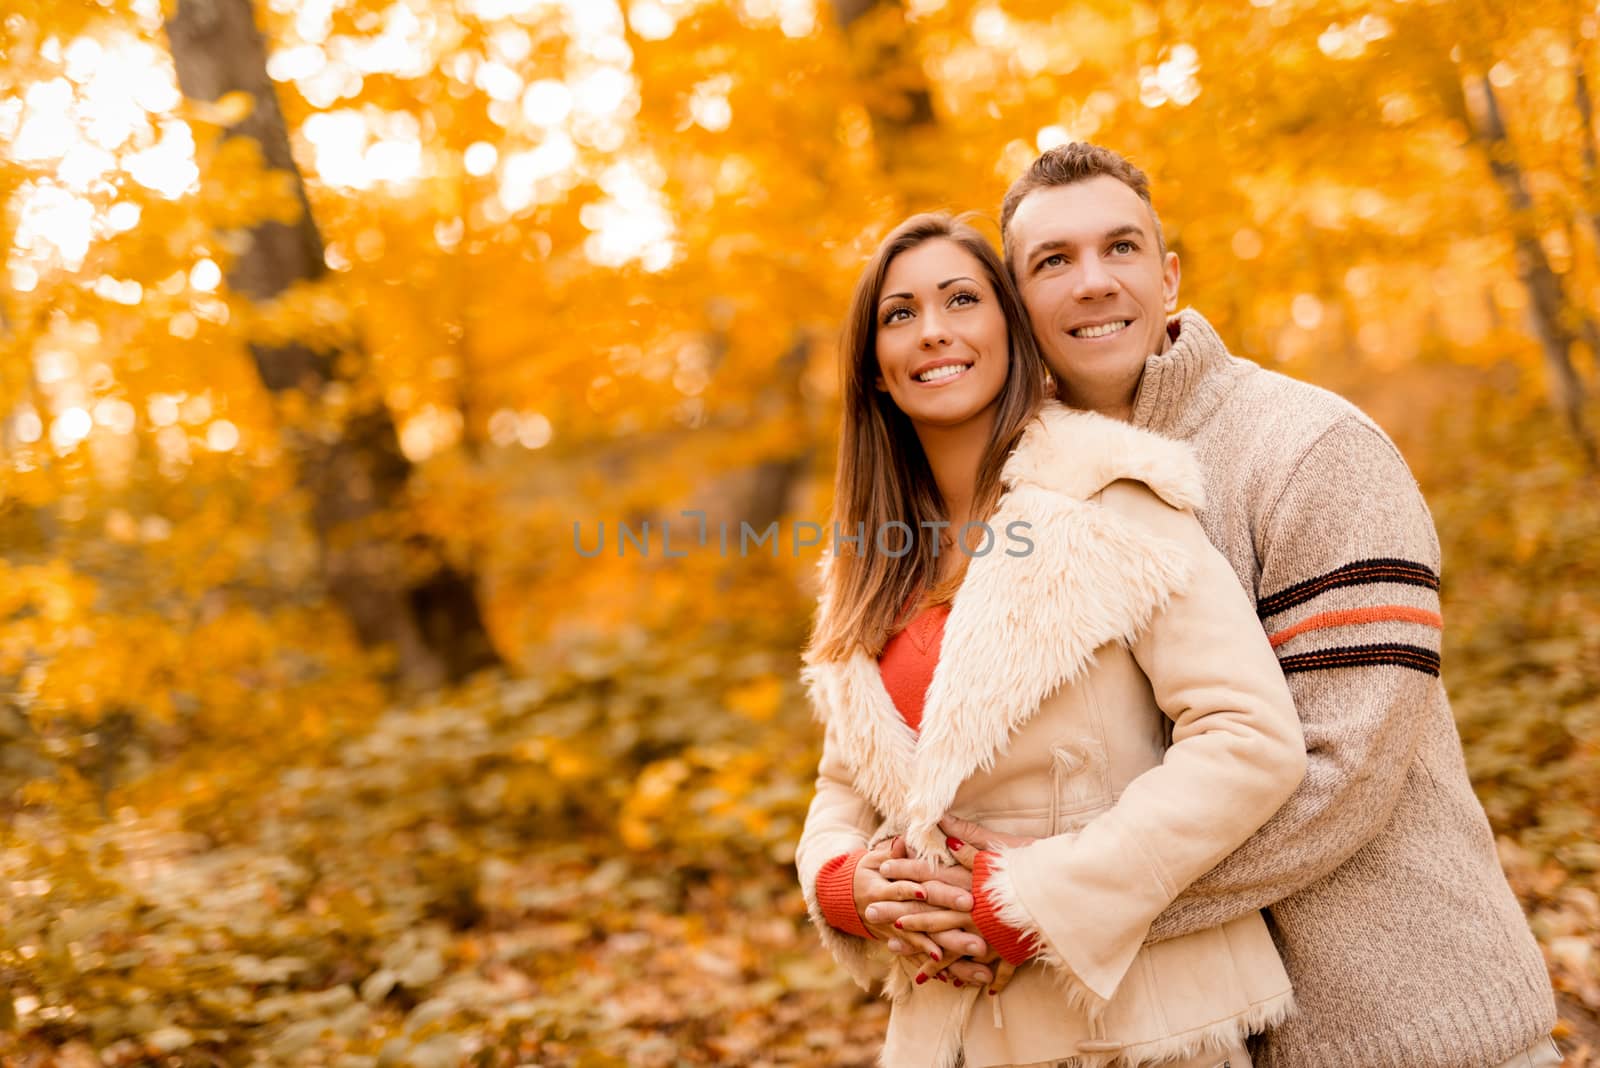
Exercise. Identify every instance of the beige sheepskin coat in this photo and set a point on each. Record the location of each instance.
(1112, 694)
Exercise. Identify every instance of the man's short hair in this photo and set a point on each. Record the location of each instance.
(1068, 165)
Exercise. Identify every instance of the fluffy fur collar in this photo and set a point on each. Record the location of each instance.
(1020, 627)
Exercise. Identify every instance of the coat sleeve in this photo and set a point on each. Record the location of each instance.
(839, 821)
(1349, 593)
(1088, 898)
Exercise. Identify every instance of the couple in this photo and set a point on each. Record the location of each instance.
(1058, 788)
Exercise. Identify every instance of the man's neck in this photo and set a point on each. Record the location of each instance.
(1115, 403)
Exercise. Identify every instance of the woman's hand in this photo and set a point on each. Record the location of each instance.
(964, 839)
(928, 906)
(966, 833)
(885, 904)
(988, 968)
(968, 957)
(955, 881)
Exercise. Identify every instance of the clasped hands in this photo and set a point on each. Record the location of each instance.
(922, 908)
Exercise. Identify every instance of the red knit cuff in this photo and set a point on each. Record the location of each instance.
(1013, 945)
(836, 894)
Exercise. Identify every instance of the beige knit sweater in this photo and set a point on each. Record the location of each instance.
(1403, 940)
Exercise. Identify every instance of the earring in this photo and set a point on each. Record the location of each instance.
(1049, 384)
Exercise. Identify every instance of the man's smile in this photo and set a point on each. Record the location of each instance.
(1116, 326)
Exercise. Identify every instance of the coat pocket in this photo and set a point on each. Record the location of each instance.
(1080, 782)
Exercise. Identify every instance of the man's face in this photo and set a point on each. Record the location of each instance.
(1095, 284)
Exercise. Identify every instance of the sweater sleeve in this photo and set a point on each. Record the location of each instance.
(1015, 945)
(839, 822)
(836, 894)
(1348, 594)
(1088, 897)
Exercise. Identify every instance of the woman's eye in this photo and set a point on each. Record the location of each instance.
(964, 298)
(894, 315)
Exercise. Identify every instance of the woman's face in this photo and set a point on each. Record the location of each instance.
(942, 342)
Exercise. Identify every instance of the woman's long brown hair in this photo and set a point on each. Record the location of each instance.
(883, 474)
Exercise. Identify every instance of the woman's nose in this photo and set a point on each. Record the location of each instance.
(934, 333)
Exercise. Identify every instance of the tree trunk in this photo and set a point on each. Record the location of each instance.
(898, 97)
(433, 622)
(767, 496)
(1591, 179)
(1591, 166)
(1549, 310)
(898, 115)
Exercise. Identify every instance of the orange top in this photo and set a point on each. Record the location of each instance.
(908, 659)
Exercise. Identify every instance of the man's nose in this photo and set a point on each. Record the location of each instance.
(1093, 281)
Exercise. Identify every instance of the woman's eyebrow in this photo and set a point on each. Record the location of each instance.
(942, 285)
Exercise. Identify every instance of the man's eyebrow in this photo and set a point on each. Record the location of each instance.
(1125, 230)
(1046, 246)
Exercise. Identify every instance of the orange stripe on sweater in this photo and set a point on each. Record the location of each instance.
(1388, 613)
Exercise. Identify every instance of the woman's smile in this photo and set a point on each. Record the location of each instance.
(942, 372)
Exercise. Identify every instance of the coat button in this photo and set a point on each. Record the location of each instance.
(1099, 1045)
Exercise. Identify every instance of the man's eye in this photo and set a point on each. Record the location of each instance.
(1123, 247)
(1055, 259)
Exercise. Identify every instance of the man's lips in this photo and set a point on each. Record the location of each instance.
(1094, 331)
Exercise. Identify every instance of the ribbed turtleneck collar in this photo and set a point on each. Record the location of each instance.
(1181, 387)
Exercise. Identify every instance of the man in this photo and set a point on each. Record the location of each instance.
(1405, 944)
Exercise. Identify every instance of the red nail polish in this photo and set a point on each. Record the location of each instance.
(957, 982)
(897, 925)
(942, 977)
(921, 896)
(935, 955)
(921, 978)
(955, 844)
(991, 991)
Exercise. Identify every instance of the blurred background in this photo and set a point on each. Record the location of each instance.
(336, 334)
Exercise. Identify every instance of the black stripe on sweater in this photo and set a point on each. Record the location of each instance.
(1359, 573)
(1407, 656)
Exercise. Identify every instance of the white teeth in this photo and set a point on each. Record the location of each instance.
(1100, 331)
(949, 370)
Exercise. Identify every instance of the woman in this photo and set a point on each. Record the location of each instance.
(1077, 665)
